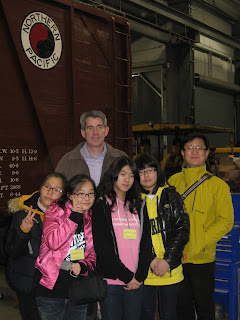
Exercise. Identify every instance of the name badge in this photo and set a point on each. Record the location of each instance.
(129, 234)
(77, 254)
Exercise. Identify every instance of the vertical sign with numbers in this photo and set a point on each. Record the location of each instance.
(12, 161)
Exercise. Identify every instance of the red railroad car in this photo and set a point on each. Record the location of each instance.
(58, 59)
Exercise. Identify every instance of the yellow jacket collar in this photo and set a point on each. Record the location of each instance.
(158, 193)
(22, 204)
(194, 173)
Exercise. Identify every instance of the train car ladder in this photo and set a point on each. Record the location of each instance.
(122, 87)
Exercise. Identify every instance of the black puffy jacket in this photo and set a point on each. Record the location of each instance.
(174, 225)
(22, 248)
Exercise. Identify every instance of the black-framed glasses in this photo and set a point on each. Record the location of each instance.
(84, 195)
(54, 189)
(198, 149)
(147, 171)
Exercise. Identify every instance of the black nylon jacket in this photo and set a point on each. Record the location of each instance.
(23, 248)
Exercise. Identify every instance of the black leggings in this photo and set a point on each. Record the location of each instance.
(28, 306)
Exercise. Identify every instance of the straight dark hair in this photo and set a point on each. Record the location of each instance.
(79, 179)
(192, 136)
(106, 186)
(144, 161)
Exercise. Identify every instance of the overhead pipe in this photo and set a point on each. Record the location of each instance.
(215, 84)
(185, 20)
(218, 53)
(153, 34)
(141, 25)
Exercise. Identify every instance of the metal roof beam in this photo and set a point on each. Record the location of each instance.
(185, 20)
(151, 33)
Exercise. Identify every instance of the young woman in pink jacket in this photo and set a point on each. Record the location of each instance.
(122, 240)
(66, 252)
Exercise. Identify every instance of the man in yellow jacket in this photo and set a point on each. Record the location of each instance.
(210, 212)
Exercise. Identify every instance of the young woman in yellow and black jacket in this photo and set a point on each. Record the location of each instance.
(24, 240)
(169, 232)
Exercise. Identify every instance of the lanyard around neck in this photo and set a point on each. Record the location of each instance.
(125, 214)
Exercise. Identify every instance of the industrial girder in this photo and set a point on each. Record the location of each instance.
(185, 20)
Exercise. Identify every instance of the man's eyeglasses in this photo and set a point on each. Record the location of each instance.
(198, 149)
(147, 171)
(48, 188)
(84, 195)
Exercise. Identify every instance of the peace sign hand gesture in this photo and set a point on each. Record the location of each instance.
(77, 206)
(27, 222)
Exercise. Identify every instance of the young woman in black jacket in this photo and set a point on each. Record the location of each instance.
(170, 233)
(24, 240)
(122, 240)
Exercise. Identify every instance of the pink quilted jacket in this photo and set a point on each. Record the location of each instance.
(58, 232)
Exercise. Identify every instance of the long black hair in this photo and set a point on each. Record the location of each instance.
(144, 161)
(106, 186)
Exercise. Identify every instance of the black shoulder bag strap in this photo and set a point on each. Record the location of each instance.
(196, 184)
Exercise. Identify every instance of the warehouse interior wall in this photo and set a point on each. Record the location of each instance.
(175, 44)
(214, 108)
(186, 101)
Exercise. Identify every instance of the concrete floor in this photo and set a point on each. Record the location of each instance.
(8, 305)
(8, 310)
